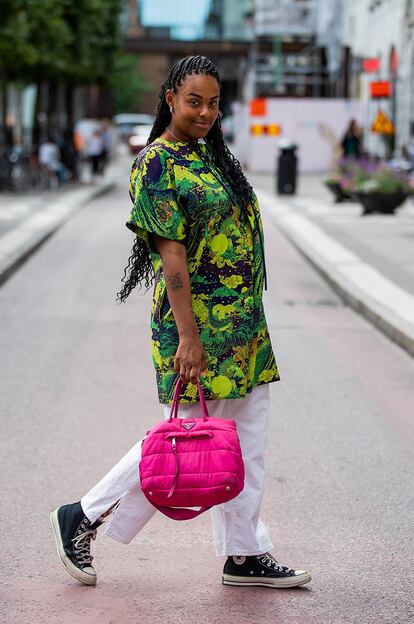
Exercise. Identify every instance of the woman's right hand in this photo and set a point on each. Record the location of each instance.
(190, 358)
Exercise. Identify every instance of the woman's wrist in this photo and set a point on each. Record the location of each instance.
(189, 331)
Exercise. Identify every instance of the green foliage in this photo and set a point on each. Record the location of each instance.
(33, 35)
(95, 31)
(127, 83)
(59, 39)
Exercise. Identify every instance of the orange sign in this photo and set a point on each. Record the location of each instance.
(382, 124)
(270, 129)
(380, 89)
(258, 107)
(274, 129)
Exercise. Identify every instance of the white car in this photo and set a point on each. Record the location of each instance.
(127, 122)
(138, 139)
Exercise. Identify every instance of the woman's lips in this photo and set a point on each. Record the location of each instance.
(201, 124)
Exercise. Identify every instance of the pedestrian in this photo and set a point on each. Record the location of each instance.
(106, 146)
(94, 149)
(352, 141)
(199, 239)
(50, 158)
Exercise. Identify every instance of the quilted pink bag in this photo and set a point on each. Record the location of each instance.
(191, 462)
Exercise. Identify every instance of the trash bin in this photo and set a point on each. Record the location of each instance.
(287, 170)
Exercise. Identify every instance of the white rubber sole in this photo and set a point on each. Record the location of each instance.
(276, 583)
(82, 577)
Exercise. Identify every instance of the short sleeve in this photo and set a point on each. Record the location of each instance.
(153, 192)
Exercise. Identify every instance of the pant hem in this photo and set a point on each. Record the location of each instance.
(241, 552)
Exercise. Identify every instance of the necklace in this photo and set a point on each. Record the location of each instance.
(176, 137)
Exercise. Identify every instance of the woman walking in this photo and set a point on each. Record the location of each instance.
(199, 239)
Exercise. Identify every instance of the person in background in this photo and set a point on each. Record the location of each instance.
(352, 141)
(94, 150)
(107, 145)
(49, 157)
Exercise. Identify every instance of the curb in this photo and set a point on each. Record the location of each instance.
(17, 245)
(342, 269)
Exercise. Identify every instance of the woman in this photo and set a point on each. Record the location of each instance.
(352, 141)
(199, 237)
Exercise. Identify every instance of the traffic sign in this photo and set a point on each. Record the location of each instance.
(380, 89)
(382, 124)
(371, 65)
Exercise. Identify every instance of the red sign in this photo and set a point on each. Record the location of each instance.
(371, 65)
(258, 107)
(380, 89)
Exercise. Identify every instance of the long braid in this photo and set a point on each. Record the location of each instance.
(139, 269)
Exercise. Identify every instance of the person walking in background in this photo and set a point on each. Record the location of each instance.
(352, 141)
(199, 239)
(106, 146)
(50, 158)
(94, 150)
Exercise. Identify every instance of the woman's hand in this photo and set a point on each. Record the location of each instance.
(190, 358)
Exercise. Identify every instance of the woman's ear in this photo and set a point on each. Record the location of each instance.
(169, 98)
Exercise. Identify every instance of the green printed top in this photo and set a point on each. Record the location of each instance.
(178, 194)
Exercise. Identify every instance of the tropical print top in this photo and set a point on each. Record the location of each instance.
(178, 194)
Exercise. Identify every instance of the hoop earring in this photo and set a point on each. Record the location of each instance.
(171, 110)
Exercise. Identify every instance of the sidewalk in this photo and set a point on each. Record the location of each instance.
(27, 220)
(368, 260)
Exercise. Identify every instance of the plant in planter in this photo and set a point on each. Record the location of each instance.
(337, 181)
(378, 187)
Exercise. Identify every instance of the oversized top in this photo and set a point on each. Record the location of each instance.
(179, 194)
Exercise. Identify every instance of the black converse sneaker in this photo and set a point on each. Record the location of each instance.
(73, 533)
(261, 571)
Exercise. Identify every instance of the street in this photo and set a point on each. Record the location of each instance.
(78, 388)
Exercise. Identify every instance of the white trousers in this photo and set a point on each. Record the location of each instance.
(237, 528)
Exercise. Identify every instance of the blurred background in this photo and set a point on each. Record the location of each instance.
(78, 79)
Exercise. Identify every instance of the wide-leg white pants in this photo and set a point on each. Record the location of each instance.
(237, 528)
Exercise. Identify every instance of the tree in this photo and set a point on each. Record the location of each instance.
(34, 43)
(127, 83)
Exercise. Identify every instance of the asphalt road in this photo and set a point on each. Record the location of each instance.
(77, 388)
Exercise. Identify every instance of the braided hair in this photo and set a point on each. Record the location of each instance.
(139, 269)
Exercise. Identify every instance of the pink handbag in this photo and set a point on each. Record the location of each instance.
(191, 462)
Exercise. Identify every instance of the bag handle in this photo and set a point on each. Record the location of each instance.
(175, 402)
(180, 514)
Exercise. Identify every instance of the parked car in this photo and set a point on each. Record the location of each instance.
(139, 137)
(127, 122)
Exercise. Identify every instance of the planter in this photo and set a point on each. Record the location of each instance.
(337, 191)
(381, 202)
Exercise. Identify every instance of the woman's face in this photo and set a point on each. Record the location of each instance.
(196, 106)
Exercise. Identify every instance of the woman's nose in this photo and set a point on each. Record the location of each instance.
(204, 112)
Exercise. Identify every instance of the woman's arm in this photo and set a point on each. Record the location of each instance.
(190, 358)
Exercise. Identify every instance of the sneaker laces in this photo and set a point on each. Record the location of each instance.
(82, 543)
(272, 563)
